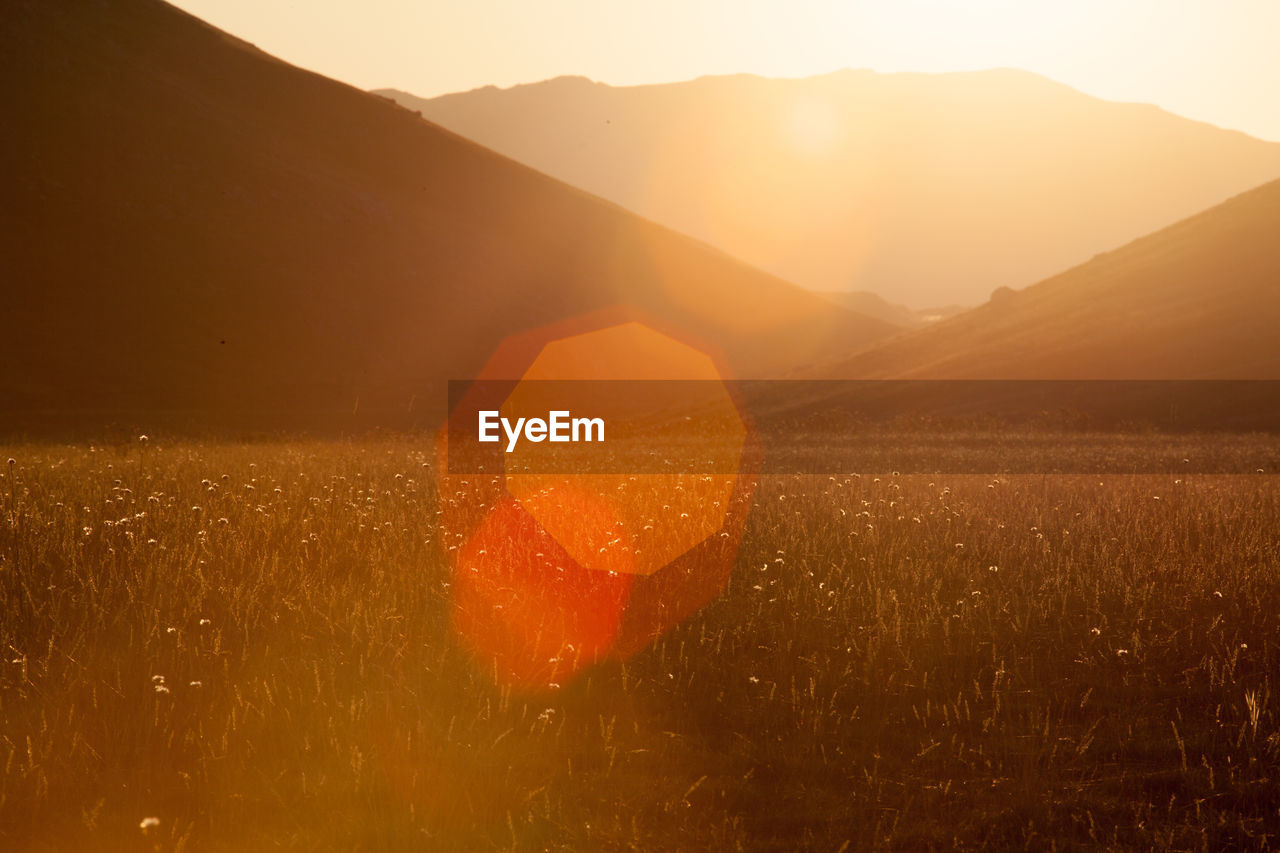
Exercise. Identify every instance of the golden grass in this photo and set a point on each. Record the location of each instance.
(911, 662)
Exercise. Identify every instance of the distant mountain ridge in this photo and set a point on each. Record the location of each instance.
(927, 189)
(192, 225)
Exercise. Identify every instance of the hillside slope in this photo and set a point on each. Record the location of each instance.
(1197, 300)
(190, 224)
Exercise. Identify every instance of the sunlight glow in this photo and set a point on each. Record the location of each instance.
(814, 126)
(1205, 60)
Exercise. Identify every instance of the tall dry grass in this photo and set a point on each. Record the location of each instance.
(250, 645)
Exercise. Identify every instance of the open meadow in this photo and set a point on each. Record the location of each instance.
(250, 643)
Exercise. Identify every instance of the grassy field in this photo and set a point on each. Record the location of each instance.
(250, 644)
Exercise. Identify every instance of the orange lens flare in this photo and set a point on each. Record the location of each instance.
(526, 607)
(555, 571)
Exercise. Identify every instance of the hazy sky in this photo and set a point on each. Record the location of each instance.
(1214, 60)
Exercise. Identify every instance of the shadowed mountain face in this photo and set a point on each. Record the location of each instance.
(928, 189)
(191, 224)
(1197, 300)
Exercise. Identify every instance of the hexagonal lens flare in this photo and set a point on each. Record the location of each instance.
(557, 567)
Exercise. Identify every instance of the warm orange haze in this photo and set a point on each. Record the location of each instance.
(749, 452)
(1208, 61)
(928, 190)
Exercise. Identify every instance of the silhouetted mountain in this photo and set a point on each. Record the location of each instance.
(1197, 300)
(928, 189)
(191, 224)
